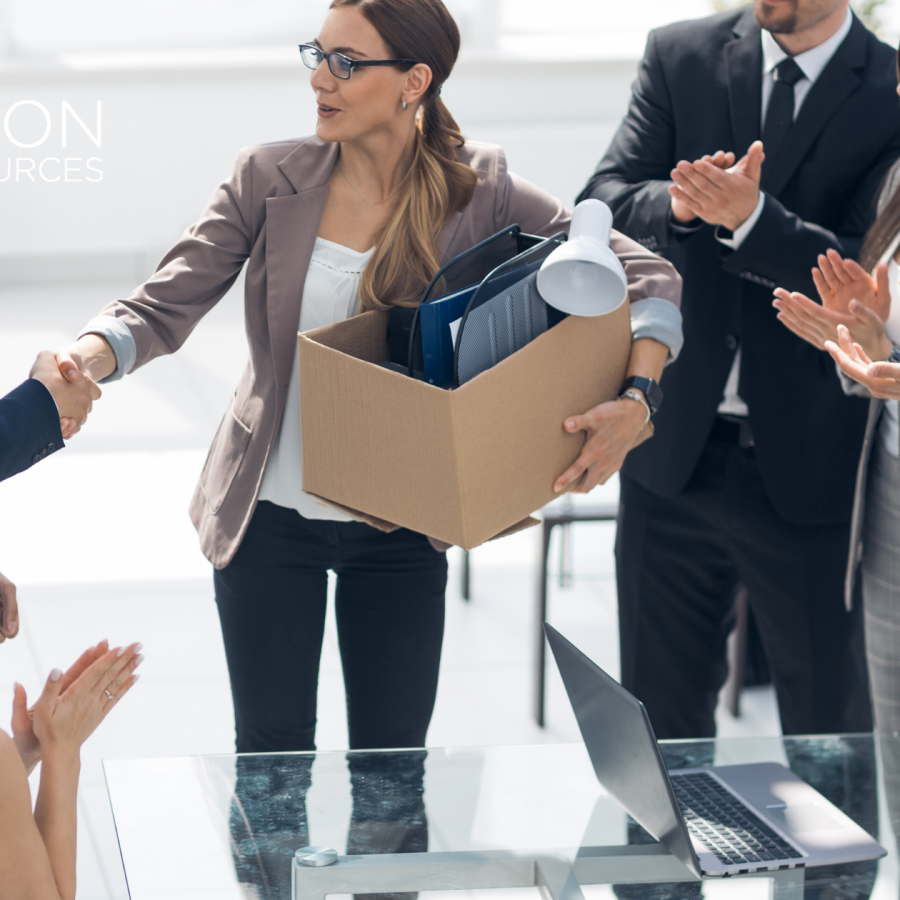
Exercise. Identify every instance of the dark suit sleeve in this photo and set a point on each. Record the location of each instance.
(29, 427)
(781, 248)
(633, 176)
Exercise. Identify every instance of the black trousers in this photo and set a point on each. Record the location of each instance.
(679, 561)
(390, 619)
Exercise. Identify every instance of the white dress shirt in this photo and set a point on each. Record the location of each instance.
(812, 62)
(330, 294)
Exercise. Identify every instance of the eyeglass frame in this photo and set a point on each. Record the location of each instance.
(352, 63)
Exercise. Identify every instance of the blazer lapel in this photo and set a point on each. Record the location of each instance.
(743, 60)
(838, 80)
(292, 223)
(448, 233)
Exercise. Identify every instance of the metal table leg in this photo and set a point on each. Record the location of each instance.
(550, 521)
(540, 648)
(462, 871)
(558, 877)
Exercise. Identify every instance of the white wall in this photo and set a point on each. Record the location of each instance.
(173, 122)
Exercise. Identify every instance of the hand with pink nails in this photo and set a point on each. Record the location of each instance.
(25, 739)
(66, 714)
(38, 858)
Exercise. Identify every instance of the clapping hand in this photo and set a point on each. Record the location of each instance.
(850, 297)
(73, 389)
(26, 741)
(716, 189)
(881, 379)
(65, 717)
(840, 281)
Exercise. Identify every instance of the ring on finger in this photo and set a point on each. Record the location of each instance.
(109, 696)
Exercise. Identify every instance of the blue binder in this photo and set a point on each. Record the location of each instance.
(435, 317)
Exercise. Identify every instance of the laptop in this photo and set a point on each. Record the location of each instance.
(720, 821)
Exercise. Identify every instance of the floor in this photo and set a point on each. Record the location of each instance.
(98, 540)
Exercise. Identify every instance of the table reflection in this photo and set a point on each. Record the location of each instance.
(268, 817)
(240, 818)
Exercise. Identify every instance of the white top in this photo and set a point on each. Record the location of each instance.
(812, 62)
(889, 429)
(330, 294)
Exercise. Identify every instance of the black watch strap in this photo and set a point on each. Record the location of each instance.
(648, 387)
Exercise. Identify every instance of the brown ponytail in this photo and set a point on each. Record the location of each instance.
(883, 231)
(879, 237)
(406, 256)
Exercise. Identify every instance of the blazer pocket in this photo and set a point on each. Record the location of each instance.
(224, 457)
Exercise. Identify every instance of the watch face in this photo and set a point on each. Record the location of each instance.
(649, 388)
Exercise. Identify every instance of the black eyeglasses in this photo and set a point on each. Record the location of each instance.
(342, 66)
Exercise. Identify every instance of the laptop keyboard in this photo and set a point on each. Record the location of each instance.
(725, 825)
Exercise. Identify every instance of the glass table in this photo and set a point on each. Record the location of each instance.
(527, 819)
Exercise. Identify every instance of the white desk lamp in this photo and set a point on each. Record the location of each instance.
(583, 277)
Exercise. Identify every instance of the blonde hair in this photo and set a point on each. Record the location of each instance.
(406, 256)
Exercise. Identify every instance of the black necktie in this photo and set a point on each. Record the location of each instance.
(780, 114)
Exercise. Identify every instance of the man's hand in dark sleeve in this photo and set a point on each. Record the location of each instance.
(73, 392)
(718, 194)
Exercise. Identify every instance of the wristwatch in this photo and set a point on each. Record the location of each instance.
(648, 387)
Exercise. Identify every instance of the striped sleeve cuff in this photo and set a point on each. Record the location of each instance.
(118, 335)
(659, 320)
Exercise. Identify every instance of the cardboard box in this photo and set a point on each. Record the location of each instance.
(462, 466)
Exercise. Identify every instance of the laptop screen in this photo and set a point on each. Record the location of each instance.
(622, 748)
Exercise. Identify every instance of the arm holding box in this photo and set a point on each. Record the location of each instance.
(654, 289)
(654, 286)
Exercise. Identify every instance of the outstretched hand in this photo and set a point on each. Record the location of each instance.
(881, 379)
(71, 386)
(716, 189)
(818, 324)
(25, 739)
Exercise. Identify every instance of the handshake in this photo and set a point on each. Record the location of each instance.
(71, 384)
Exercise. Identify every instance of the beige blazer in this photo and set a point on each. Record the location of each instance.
(876, 406)
(266, 216)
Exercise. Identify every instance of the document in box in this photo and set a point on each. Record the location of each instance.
(454, 330)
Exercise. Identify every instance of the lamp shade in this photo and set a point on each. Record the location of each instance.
(583, 277)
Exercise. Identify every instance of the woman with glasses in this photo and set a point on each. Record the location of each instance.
(358, 217)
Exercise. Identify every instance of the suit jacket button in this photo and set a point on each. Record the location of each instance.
(731, 342)
(36, 458)
(51, 447)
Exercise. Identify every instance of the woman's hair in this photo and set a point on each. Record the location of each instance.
(406, 257)
(884, 229)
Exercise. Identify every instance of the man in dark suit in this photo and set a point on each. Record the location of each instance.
(744, 481)
(36, 416)
(33, 420)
